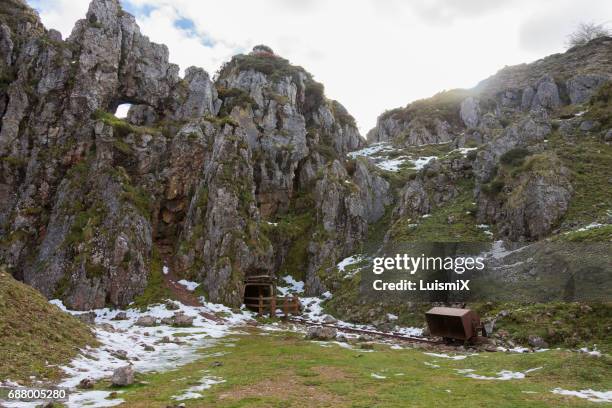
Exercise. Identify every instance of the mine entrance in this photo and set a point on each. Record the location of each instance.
(260, 296)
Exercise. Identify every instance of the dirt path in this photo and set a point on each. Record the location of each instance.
(179, 291)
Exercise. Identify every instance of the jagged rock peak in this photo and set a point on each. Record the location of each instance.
(262, 50)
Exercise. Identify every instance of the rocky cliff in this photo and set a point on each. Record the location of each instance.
(258, 172)
(245, 175)
(511, 145)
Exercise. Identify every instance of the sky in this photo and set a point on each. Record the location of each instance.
(371, 55)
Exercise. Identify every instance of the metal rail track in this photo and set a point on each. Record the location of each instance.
(392, 335)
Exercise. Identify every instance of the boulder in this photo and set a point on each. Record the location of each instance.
(182, 320)
(86, 383)
(146, 321)
(581, 87)
(321, 333)
(120, 354)
(123, 376)
(547, 94)
(329, 319)
(589, 125)
(120, 316)
(536, 341)
(87, 317)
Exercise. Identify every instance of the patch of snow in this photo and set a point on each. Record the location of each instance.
(274, 224)
(313, 311)
(391, 316)
(425, 215)
(409, 331)
(351, 260)
(378, 376)
(594, 352)
(457, 357)
(96, 399)
(190, 286)
(165, 270)
(463, 150)
(499, 251)
(501, 376)
(519, 349)
(591, 395)
(196, 391)
(432, 365)
(295, 286)
(371, 150)
(392, 164)
(592, 225)
(422, 161)
(483, 226)
(116, 335)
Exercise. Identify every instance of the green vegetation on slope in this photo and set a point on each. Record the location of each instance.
(454, 221)
(36, 337)
(590, 162)
(156, 291)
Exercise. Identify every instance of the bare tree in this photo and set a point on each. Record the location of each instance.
(586, 32)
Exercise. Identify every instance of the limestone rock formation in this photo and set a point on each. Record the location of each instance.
(92, 205)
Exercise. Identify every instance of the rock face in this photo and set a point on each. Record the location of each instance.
(520, 185)
(249, 174)
(199, 170)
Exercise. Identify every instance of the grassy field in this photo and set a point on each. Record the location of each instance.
(280, 369)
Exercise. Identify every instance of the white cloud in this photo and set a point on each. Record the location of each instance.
(371, 55)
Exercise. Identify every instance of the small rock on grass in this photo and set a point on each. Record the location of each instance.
(321, 333)
(86, 384)
(87, 317)
(537, 341)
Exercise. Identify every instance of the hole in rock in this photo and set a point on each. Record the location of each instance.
(122, 110)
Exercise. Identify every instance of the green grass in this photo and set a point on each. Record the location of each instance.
(601, 106)
(283, 370)
(603, 233)
(121, 127)
(589, 161)
(36, 337)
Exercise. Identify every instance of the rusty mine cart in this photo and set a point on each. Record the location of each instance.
(260, 296)
(453, 324)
